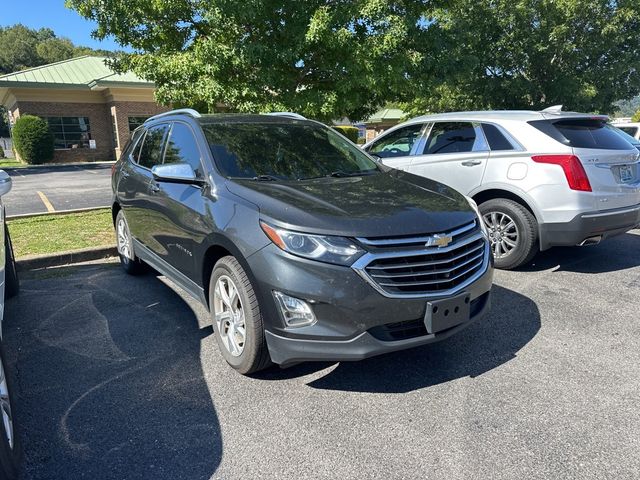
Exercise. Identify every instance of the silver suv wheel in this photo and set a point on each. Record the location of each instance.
(229, 315)
(5, 406)
(503, 233)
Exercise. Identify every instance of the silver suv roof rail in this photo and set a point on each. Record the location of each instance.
(185, 111)
(287, 114)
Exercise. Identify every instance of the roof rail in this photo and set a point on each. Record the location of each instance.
(186, 111)
(287, 114)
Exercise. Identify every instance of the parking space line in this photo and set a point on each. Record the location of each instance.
(46, 202)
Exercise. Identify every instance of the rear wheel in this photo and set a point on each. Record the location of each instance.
(12, 284)
(513, 232)
(130, 263)
(9, 442)
(237, 321)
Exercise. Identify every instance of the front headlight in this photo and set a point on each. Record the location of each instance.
(474, 205)
(330, 249)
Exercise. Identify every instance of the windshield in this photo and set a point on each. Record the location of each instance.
(284, 151)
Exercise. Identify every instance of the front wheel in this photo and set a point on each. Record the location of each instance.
(513, 232)
(237, 321)
(130, 263)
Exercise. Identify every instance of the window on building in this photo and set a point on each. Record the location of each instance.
(135, 122)
(70, 132)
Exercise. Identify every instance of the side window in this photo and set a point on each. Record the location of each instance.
(135, 144)
(151, 151)
(182, 148)
(398, 143)
(454, 137)
(495, 138)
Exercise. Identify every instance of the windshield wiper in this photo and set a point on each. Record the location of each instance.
(265, 178)
(342, 174)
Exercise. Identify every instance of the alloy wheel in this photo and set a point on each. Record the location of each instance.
(5, 407)
(503, 233)
(124, 242)
(229, 315)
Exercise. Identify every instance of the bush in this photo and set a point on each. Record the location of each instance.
(350, 132)
(32, 140)
(636, 117)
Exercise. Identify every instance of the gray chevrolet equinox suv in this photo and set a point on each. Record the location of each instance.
(300, 245)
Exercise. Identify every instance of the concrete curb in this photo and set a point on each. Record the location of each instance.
(57, 212)
(35, 262)
(54, 165)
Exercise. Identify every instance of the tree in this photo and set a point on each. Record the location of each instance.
(511, 54)
(334, 58)
(32, 139)
(322, 58)
(22, 47)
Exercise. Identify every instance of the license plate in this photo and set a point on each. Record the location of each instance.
(449, 312)
(626, 174)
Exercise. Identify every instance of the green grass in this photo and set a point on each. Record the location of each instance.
(58, 233)
(11, 162)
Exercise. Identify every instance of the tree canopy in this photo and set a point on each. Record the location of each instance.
(22, 47)
(333, 58)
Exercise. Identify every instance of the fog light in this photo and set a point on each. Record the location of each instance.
(296, 312)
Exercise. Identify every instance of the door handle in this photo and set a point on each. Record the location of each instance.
(154, 187)
(471, 163)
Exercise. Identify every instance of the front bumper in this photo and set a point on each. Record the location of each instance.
(354, 321)
(599, 225)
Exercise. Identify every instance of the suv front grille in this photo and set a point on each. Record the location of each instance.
(427, 271)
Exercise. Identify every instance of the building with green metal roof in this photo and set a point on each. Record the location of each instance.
(90, 108)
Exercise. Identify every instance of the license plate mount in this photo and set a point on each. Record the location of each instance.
(447, 313)
(626, 174)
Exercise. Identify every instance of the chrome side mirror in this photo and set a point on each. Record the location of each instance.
(175, 173)
(5, 183)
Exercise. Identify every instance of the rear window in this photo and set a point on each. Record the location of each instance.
(583, 133)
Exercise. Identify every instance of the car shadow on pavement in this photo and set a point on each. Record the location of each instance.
(614, 254)
(110, 383)
(486, 344)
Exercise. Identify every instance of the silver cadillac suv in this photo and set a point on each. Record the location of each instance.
(541, 179)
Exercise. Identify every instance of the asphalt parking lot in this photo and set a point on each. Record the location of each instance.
(46, 189)
(119, 377)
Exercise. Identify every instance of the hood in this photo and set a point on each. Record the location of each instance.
(390, 203)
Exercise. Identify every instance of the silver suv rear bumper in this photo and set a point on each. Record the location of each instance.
(590, 227)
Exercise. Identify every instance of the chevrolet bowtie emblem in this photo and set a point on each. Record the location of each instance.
(439, 240)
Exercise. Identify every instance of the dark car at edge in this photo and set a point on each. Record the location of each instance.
(300, 245)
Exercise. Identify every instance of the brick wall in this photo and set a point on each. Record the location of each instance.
(121, 111)
(99, 124)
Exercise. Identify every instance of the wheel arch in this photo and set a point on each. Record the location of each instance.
(501, 192)
(115, 208)
(217, 247)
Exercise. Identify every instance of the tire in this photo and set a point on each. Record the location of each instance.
(510, 223)
(130, 263)
(11, 281)
(247, 354)
(9, 452)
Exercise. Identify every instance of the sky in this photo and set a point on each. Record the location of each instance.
(52, 14)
